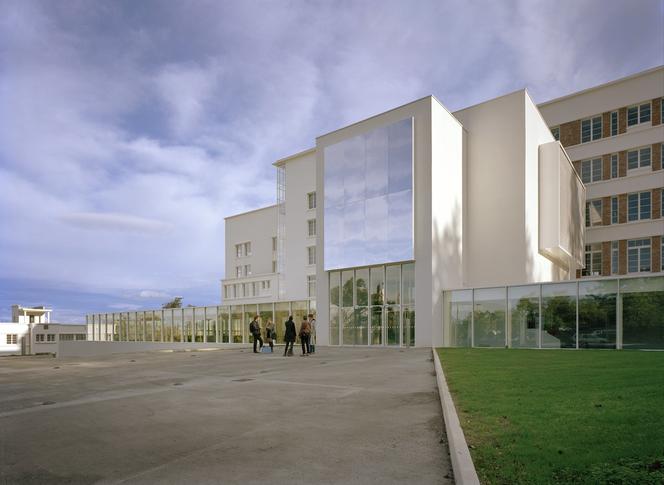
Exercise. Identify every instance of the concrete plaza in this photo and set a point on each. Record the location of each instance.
(343, 415)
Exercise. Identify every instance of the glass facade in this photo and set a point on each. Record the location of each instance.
(366, 306)
(368, 204)
(213, 324)
(607, 313)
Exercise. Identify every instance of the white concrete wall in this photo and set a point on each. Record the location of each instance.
(27, 337)
(300, 180)
(19, 329)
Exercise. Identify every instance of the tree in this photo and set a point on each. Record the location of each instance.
(174, 303)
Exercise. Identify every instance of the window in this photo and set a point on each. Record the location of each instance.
(311, 200)
(12, 338)
(238, 271)
(311, 227)
(274, 243)
(614, 123)
(265, 285)
(638, 114)
(614, 210)
(311, 285)
(239, 290)
(50, 337)
(638, 255)
(311, 255)
(243, 249)
(594, 212)
(247, 249)
(66, 336)
(247, 269)
(591, 170)
(638, 158)
(249, 289)
(39, 337)
(274, 266)
(593, 260)
(228, 290)
(615, 254)
(32, 319)
(638, 206)
(555, 131)
(81, 336)
(614, 165)
(591, 129)
(238, 250)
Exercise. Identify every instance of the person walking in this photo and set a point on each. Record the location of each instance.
(312, 337)
(305, 334)
(270, 333)
(255, 330)
(289, 335)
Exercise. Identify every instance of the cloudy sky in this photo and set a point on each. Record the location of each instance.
(130, 129)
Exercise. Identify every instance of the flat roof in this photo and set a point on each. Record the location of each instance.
(282, 161)
(251, 211)
(600, 86)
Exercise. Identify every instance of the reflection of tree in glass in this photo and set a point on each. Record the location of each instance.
(362, 291)
(377, 295)
(489, 326)
(348, 293)
(559, 319)
(643, 320)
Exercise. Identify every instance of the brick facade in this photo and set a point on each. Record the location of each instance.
(656, 252)
(606, 166)
(622, 164)
(656, 203)
(657, 156)
(622, 120)
(570, 133)
(656, 111)
(622, 256)
(606, 124)
(606, 211)
(622, 208)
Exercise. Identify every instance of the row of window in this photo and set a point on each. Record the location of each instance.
(592, 128)
(639, 207)
(639, 259)
(243, 249)
(12, 338)
(39, 337)
(593, 170)
(241, 290)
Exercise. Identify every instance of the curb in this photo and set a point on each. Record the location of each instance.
(462, 463)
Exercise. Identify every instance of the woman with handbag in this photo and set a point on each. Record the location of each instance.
(270, 334)
(305, 334)
(289, 336)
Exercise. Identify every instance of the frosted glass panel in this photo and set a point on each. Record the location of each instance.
(368, 202)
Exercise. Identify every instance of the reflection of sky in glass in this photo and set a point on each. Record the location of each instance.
(368, 202)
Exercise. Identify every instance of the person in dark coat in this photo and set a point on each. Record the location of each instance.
(290, 335)
(255, 329)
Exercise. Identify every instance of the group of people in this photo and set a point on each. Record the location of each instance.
(307, 334)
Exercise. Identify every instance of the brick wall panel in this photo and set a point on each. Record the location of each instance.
(570, 133)
(622, 164)
(656, 252)
(656, 203)
(622, 208)
(606, 258)
(606, 124)
(622, 120)
(606, 211)
(606, 166)
(622, 257)
(656, 111)
(657, 156)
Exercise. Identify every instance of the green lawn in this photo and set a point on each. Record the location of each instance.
(560, 416)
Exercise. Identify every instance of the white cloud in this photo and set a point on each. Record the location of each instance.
(115, 222)
(153, 294)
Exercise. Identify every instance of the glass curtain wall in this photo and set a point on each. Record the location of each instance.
(177, 325)
(489, 318)
(236, 324)
(158, 325)
(523, 316)
(211, 324)
(335, 304)
(642, 301)
(224, 323)
(169, 336)
(188, 324)
(281, 314)
(459, 309)
(597, 314)
(559, 315)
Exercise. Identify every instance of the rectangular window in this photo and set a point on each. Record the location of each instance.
(638, 255)
(274, 243)
(311, 227)
(593, 260)
(555, 131)
(311, 200)
(238, 250)
(50, 337)
(638, 158)
(265, 284)
(227, 291)
(81, 336)
(66, 336)
(614, 123)
(247, 249)
(638, 114)
(274, 266)
(638, 206)
(594, 212)
(247, 269)
(12, 338)
(238, 290)
(615, 254)
(614, 165)
(39, 337)
(591, 129)
(238, 271)
(614, 210)
(311, 255)
(591, 170)
(311, 285)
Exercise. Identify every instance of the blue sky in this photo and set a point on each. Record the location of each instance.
(129, 130)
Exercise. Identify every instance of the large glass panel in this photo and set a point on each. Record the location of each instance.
(347, 288)
(281, 314)
(116, 327)
(177, 325)
(408, 283)
(250, 311)
(361, 321)
(223, 318)
(199, 324)
(149, 322)
(378, 285)
(393, 322)
(458, 315)
(523, 315)
(140, 326)
(265, 313)
(642, 312)
(393, 285)
(489, 317)
(597, 314)
(132, 327)
(408, 326)
(361, 284)
(236, 324)
(169, 335)
(334, 325)
(300, 310)
(348, 333)
(335, 295)
(158, 326)
(188, 324)
(376, 325)
(559, 315)
(368, 190)
(211, 328)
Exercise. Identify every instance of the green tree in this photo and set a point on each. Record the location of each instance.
(174, 303)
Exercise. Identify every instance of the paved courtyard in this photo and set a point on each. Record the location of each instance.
(344, 415)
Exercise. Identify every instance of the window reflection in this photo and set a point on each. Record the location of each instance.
(368, 197)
